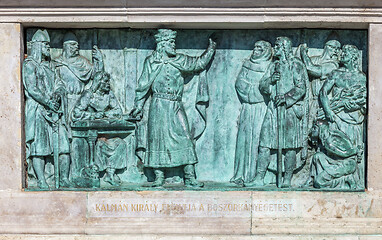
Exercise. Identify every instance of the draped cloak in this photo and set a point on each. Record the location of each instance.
(252, 113)
(167, 139)
(292, 84)
(75, 73)
(335, 166)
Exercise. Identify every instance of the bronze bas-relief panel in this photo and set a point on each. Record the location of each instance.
(122, 109)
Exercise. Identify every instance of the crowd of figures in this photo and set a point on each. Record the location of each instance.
(56, 97)
(312, 110)
(297, 110)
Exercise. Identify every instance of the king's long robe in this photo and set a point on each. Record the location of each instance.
(169, 142)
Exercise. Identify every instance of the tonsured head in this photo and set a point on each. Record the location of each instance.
(261, 50)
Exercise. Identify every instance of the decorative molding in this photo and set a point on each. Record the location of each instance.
(197, 17)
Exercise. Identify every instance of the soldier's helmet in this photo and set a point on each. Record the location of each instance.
(40, 36)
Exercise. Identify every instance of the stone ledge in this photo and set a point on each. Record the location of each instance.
(187, 237)
(186, 3)
(75, 213)
(193, 17)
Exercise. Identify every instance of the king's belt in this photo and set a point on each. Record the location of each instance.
(166, 96)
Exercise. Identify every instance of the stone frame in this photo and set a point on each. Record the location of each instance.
(316, 213)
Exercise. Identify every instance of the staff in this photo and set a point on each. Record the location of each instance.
(280, 112)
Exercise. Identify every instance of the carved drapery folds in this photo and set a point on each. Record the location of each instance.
(195, 109)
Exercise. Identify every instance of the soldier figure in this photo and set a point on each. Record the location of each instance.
(44, 94)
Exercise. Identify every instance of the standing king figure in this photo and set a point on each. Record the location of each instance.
(169, 139)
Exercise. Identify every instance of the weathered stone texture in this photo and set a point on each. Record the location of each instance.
(11, 111)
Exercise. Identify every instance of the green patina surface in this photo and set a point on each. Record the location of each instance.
(122, 109)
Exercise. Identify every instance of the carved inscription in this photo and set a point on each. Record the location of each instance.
(155, 208)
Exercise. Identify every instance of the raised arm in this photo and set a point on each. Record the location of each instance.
(313, 70)
(323, 96)
(98, 63)
(206, 57)
(316, 70)
(196, 64)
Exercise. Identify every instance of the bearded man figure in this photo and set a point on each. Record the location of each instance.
(100, 103)
(319, 67)
(285, 84)
(253, 110)
(169, 140)
(76, 72)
